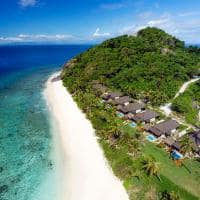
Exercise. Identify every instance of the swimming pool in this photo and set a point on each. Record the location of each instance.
(119, 114)
(176, 155)
(132, 124)
(151, 138)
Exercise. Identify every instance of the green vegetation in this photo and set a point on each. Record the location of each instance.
(150, 66)
(187, 145)
(188, 103)
(126, 150)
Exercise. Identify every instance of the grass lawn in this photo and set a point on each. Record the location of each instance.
(128, 129)
(178, 175)
(174, 178)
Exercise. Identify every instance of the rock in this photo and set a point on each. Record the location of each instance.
(3, 189)
(1, 169)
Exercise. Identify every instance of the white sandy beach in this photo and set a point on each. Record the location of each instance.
(86, 174)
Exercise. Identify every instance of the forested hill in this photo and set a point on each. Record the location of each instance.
(150, 66)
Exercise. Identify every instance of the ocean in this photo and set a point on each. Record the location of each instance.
(27, 167)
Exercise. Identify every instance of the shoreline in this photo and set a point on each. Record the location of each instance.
(86, 174)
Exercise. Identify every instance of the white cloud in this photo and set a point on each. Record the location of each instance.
(27, 3)
(38, 38)
(57, 37)
(158, 22)
(188, 14)
(98, 34)
(10, 39)
(187, 30)
(131, 30)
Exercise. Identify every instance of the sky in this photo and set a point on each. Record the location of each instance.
(92, 21)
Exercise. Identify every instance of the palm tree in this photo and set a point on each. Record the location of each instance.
(151, 167)
(174, 196)
(166, 195)
(134, 146)
(115, 132)
(187, 145)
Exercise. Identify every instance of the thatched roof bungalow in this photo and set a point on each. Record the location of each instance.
(195, 136)
(146, 116)
(132, 108)
(169, 141)
(124, 100)
(111, 95)
(176, 145)
(164, 128)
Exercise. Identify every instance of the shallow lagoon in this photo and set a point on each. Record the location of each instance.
(28, 158)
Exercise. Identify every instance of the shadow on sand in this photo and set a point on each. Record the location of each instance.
(55, 79)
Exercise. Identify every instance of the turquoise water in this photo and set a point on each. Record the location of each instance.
(151, 138)
(176, 155)
(133, 124)
(25, 130)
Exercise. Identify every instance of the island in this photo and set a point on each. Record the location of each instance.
(122, 85)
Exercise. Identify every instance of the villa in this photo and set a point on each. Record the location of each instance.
(166, 128)
(131, 108)
(122, 101)
(176, 145)
(112, 95)
(147, 116)
(169, 141)
(195, 136)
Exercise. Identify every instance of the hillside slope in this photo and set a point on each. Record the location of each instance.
(150, 66)
(188, 104)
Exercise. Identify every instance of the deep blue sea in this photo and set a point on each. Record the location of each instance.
(25, 133)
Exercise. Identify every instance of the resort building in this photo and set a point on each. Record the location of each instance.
(166, 128)
(131, 108)
(123, 101)
(147, 116)
(176, 145)
(195, 136)
(169, 141)
(112, 95)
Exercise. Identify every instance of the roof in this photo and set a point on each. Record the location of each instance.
(195, 136)
(132, 107)
(145, 116)
(169, 141)
(155, 131)
(165, 127)
(146, 127)
(112, 95)
(122, 109)
(122, 100)
(176, 145)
